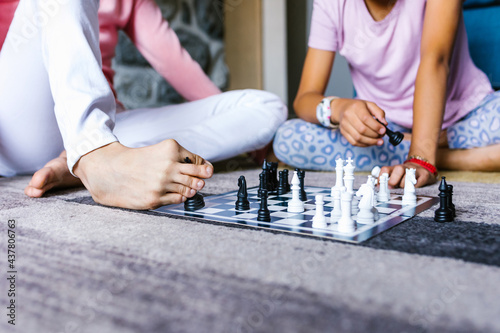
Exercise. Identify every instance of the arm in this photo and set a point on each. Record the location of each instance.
(354, 116)
(438, 37)
(160, 46)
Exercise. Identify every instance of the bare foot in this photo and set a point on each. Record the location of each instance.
(142, 178)
(55, 174)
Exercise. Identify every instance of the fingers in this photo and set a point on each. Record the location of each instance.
(377, 112)
(385, 169)
(356, 138)
(397, 177)
(361, 127)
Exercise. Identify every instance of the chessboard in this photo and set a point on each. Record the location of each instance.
(221, 209)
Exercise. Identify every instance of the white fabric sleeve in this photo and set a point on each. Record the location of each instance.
(84, 103)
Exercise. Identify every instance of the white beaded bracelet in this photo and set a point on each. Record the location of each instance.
(324, 112)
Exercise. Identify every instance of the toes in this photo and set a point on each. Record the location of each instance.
(172, 199)
(33, 192)
(200, 171)
(188, 181)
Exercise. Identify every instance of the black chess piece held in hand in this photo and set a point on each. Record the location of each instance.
(197, 201)
(395, 138)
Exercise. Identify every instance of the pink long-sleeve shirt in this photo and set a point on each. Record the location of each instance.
(142, 21)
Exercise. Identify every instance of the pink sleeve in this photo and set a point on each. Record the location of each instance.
(159, 44)
(324, 26)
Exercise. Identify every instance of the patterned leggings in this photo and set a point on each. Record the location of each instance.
(308, 146)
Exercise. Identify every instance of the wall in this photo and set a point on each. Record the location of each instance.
(199, 25)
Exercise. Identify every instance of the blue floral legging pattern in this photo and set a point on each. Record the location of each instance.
(309, 146)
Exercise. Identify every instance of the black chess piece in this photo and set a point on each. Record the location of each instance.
(262, 184)
(451, 205)
(274, 176)
(194, 203)
(266, 175)
(287, 183)
(242, 201)
(197, 201)
(443, 213)
(395, 138)
(282, 183)
(301, 174)
(263, 215)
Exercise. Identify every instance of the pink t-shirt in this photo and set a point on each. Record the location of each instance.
(384, 57)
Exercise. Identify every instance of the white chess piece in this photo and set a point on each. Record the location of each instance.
(383, 194)
(337, 211)
(346, 223)
(349, 175)
(339, 175)
(376, 171)
(409, 196)
(366, 213)
(372, 181)
(319, 219)
(295, 205)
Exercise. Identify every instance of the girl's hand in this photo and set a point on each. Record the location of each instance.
(397, 175)
(356, 121)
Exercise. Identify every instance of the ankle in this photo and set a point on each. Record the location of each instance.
(97, 158)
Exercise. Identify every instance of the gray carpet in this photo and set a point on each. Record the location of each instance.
(87, 268)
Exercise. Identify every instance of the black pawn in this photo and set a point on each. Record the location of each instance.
(443, 213)
(242, 201)
(285, 175)
(263, 215)
(395, 138)
(282, 184)
(301, 174)
(262, 184)
(194, 203)
(450, 200)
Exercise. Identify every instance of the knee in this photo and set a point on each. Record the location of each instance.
(268, 103)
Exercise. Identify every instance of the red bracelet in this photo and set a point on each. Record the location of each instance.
(429, 167)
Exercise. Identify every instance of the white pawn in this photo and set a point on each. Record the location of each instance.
(295, 205)
(384, 194)
(376, 171)
(319, 219)
(367, 203)
(339, 175)
(337, 211)
(346, 223)
(409, 196)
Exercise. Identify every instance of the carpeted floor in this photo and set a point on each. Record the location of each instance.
(87, 268)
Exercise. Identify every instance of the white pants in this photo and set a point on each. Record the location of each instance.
(53, 96)
(216, 128)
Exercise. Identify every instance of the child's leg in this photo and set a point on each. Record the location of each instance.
(480, 128)
(217, 127)
(65, 46)
(37, 65)
(474, 141)
(308, 146)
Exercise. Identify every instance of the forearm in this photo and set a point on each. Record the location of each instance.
(428, 107)
(159, 44)
(305, 106)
